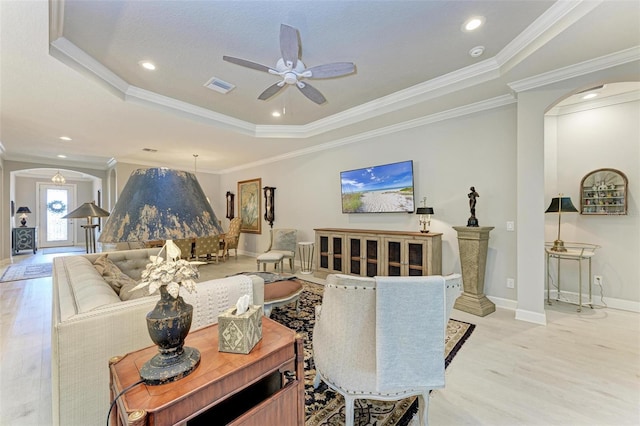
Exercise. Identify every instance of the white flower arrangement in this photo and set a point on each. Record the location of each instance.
(172, 273)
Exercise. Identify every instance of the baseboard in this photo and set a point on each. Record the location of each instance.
(609, 302)
(500, 302)
(530, 316)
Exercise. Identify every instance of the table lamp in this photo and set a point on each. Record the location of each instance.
(424, 214)
(164, 204)
(558, 205)
(88, 210)
(23, 215)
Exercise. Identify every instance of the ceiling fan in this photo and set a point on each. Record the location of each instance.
(293, 70)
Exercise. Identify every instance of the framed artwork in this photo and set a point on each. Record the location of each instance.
(249, 205)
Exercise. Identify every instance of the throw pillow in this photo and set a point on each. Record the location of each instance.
(127, 294)
(112, 274)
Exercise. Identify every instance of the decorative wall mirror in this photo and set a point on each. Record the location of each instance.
(604, 192)
(230, 198)
(269, 209)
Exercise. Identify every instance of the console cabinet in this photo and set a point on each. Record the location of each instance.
(24, 238)
(369, 253)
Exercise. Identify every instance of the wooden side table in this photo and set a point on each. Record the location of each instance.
(265, 386)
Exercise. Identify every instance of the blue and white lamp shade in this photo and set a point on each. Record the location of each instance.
(160, 204)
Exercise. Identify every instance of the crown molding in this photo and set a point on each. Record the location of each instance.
(608, 61)
(554, 20)
(134, 93)
(433, 118)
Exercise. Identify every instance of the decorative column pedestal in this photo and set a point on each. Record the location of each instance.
(473, 243)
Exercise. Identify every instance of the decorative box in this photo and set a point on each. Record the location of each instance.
(239, 333)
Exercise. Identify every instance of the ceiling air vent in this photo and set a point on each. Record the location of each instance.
(149, 150)
(219, 85)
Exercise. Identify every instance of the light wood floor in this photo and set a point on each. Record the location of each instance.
(581, 369)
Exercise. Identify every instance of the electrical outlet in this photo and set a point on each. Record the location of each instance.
(511, 283)
(511, 226)
(597, 280)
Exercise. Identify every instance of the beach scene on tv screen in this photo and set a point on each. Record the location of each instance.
(379, 189)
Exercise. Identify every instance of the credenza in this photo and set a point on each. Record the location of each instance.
(368, 253)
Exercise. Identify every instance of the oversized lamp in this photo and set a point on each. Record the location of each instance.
(559, 205)
(88, 210)
(164, 204)
(23, 215)
(424, 216)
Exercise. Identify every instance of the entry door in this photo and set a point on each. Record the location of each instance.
(55, 201)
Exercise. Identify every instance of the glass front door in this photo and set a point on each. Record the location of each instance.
(55, 202)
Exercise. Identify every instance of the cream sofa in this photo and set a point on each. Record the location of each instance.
(90, 324)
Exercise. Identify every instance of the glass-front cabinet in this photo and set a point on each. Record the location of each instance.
(363, 252)
(368, 253)
(604, 192)
(406, 257)
(330, 253)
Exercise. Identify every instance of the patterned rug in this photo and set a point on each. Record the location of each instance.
(26, 272)
(326, 407)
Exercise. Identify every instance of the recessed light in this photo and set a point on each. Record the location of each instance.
(276, 113)
(476, 51)
(147, 65)
(65, 138)
(61, 156)
(473, 23)
(590, 96)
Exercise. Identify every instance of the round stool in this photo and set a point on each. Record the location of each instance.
(270, 257)
(280, 293)
(306, 257)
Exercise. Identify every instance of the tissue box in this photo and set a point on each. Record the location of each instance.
(239, 333)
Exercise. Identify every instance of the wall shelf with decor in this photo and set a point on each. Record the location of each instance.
(604, 192)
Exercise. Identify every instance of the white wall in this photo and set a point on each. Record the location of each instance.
(603, 137)
(449, 157)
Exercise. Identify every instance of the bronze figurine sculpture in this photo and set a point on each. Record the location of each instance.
(473, 221)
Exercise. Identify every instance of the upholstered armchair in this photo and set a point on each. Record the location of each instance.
(232, 237)
(383, 338)
(185, 247)
(284, 241)
(208, 247)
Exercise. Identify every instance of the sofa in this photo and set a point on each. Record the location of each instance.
(91, 324)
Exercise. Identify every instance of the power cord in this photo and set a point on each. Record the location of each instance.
(119, 395)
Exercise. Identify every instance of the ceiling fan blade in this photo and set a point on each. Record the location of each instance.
(245, 63)
(311, 92)
(271, 90)
(289, 47)
(335, 69)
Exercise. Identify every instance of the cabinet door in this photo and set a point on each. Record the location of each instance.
(363, 253)
(330, 252)
(416, 258)
(394, 255)
(405, 257)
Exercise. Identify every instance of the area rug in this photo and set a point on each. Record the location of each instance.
(26, 272)
(325, 407)
(68, 249)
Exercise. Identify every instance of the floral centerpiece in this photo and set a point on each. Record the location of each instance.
(172, 274)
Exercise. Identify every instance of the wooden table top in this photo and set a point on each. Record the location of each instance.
(218, 376)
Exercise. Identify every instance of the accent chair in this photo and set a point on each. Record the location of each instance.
(284, 240)
(208, 247)
(232, 237)
(383, 338)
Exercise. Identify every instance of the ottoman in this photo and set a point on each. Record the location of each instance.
(270, 257)
(280, 293)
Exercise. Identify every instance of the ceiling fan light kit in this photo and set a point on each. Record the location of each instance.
(293, 70)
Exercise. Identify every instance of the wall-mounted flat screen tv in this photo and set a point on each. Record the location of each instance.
(387, 188)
